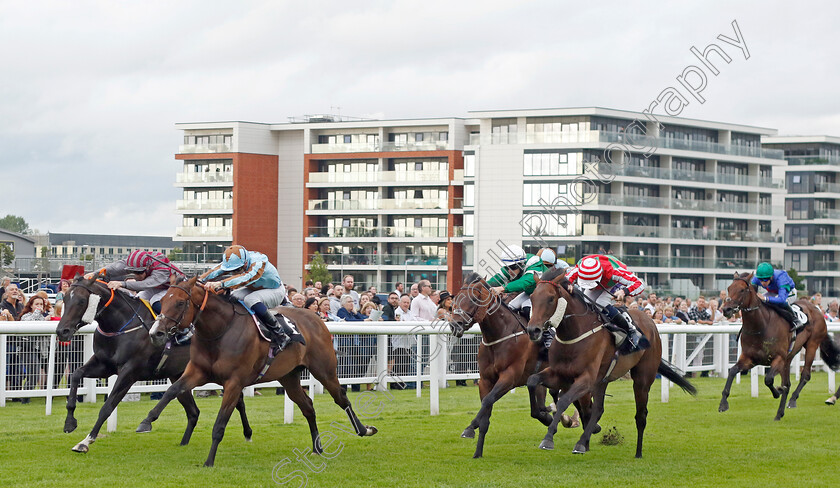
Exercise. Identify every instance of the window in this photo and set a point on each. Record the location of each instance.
(443, 136)
(551, 163)
(469, 164)
(418, 137)
(542, 194)
(348, 139)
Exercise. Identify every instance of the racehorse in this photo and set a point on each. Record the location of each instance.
(766, 341)
(583, 358)
(227, 349)
(505, 360)
(122, 347)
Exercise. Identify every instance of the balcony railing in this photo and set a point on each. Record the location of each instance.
(203, 148)
(381, 204)
(366, 232)
(675, 233)
(826, 187)
(207, 232)
(386, 259)
(225, 204)
(689, 262)
(684, 204)
(826, 240)
(379, 147)
(682, 175)
(204, 177)
(595, 136)
(381, 177)
(813, 160)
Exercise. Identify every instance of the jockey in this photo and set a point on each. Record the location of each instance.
(255, 281)
(151, 271)
(520, 272)
(597, 275)
(781, 290)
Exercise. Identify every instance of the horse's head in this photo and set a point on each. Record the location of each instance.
(81, 306)
(470, 304)
(547, 303)
(740, 294)
(178, 310)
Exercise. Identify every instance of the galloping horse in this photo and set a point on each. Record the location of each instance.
(505, 360)
(766, 341)
(227, 349)
(583, 357)
(122, 347)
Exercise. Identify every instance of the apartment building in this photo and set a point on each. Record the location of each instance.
(684, 202)
(812, 178)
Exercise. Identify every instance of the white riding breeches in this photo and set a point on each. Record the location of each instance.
(601, 297)
(271, 298)
(152, 295)
(521, 300)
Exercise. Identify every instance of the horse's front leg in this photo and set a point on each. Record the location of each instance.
(581, 386)
(544, 377)
(595, 415)
(743, 364)
(191, 378)
(91, 369)
(784, 387)
(125, 379)
(233, 392)
(484, 387)
(505, 383)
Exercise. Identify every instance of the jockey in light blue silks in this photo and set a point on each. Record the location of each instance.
(781, 290)
(255, 281)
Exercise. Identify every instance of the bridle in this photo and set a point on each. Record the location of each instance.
(739, 306)
(493, 303)
(176, 326)
(557, 288)
(122, 330)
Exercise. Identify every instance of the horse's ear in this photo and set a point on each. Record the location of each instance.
(173, 279)
(192, 281)
(736, 275)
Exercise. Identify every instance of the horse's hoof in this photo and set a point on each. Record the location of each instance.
(579, 449)
(468, 433)
(552, 408)
(778, 417)
(547, 445)
(792, 404)
(82, 448)
(831, 400)
(371, 430)
(144, 428)
(566, 421)
(597, 429)
(69, 426)
(208, 464)
(723, 408)
(477, 455)
(248, 439)
(776, 394)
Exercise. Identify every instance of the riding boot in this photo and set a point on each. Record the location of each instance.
(636, 338)
(795, 317)
(525, 312)
(279, 337)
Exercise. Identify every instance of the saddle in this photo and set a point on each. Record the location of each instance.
(785, 313)
(263, 331)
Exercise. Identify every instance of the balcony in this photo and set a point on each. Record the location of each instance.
(205, 177)
(224, 233)
(826, 240)
(226, 204)
(682, 204)
(677, 263)
(595, 136)
(379, 147)
(679, 175)
(826, 187)
(813, 160)
(382, 204)
(203, 148)
(441, 177)
(373, 232)
(675, 233)
(385, 259)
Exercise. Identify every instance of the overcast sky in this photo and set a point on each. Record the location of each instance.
(90, 91)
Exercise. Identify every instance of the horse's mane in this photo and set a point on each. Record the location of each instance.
(552, 274)
(472, 278)
(747, 276)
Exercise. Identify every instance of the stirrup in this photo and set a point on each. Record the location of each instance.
(638, 340)
(282, 340)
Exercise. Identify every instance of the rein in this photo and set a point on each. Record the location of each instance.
(583, 336)
(500, 303)
(177, 325)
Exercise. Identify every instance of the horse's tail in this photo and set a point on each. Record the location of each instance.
(830, 353)
(669, 371)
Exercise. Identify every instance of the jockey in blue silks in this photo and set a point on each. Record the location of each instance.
(781, 290)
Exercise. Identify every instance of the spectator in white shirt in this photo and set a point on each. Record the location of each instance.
(422, 307)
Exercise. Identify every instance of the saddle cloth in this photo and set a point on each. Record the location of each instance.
(263, 330)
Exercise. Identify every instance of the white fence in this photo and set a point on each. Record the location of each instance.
(33, 365)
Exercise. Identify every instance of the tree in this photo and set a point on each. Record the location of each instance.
(176, 254)
(15, 224)
(318, 269)
(6, 255)
(798, 281)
